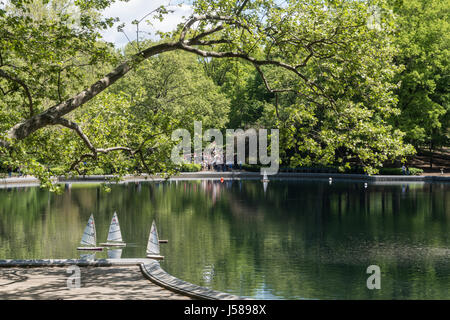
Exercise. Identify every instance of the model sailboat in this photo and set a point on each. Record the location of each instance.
(89, 239)
(153, 251)
(114, 234)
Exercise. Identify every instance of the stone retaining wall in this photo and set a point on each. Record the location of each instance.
(30, 181)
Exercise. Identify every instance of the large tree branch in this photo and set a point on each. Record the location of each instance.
(95, 151)
(51, 115)
(257, 63)
(239, 10)
(210, 42)
(244, 56)
(231, 20)
(94, 155)
(206, 33)
(75, 127)
(266, 83)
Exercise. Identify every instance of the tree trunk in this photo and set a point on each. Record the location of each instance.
(431, 154)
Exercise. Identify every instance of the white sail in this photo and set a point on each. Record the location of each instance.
(89, 236)
(114, 254)
(265, 184)
(90, 256)
(153, 241)
(114, 233)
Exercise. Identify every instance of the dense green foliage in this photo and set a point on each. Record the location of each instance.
(190, 167)
(343, 92)
(423, 36)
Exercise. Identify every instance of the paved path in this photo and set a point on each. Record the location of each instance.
(111, 283)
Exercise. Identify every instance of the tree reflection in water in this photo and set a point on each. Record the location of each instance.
(299, 239)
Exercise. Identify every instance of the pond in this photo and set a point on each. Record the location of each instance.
(299, 239)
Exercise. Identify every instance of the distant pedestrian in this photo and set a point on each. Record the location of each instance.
(229, 166)
(403, 169)
(9, 171)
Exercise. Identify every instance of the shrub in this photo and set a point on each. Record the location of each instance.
(398, 171)
(57, 171)
(415, 171)
(190, 167)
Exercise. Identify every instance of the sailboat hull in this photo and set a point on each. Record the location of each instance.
(90, 248)
(154, 256)
(109, 244)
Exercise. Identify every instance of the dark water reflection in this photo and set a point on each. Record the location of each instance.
(305, 239)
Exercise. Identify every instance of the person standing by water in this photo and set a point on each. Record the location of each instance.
(229, 166)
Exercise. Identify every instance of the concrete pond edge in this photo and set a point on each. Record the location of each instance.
(157, 275)
(150, 269)
(235, 175)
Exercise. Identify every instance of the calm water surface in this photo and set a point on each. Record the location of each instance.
(299, 239)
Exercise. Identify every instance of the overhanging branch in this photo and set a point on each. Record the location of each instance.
(75, 127)
(50, 116)
(95, 151)
(55, 114)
